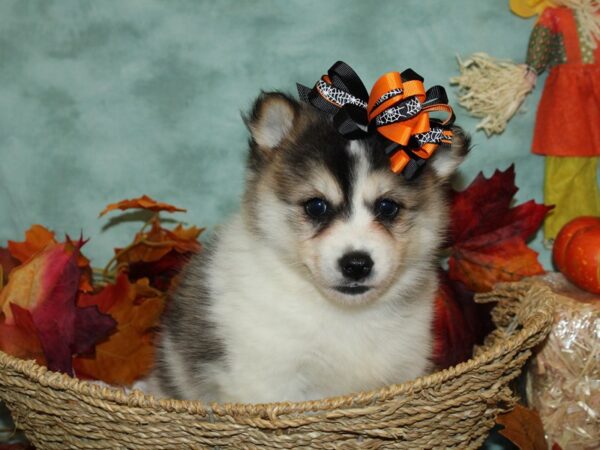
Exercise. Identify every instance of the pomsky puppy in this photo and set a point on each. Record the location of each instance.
(324, 283)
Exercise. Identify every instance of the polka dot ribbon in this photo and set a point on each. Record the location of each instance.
(397, 109)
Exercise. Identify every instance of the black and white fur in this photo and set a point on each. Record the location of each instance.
(266, 313)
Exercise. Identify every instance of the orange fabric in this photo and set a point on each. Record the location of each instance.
(386, 83)
(426, 151)
(398, 161)
(446, 108)
(568, 116)
(401, 132)
(568, 27)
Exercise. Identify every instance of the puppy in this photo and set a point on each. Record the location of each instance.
(324, 283)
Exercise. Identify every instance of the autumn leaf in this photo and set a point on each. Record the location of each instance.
(128, 353)
(156, 243)
(523, 427)
(45, 289)
(487, 198)
(37, 238)
(20, 339)
(7, 263)
(481, 266)
(488, 237)
(162, 274)
(459, 323)
(157, 254)
(143, 202)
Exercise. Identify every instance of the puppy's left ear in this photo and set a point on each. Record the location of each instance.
(446, 159)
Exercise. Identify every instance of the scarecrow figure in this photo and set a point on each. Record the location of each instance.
(564, 41)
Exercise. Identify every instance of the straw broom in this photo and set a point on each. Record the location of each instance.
(492, 89)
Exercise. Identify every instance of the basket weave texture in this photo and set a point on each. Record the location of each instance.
(454, 408)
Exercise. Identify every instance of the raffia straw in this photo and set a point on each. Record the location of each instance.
(588, 16)
(492, 89)
(564, 381)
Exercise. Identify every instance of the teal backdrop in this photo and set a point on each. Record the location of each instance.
(101, 101)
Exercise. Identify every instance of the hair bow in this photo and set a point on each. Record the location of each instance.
(397, 109)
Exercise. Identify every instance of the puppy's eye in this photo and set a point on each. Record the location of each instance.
(316, 207)
(386, 208)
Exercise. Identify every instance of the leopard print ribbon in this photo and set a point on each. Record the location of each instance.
(398, 109)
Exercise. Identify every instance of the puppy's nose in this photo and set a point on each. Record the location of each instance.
(356, 265)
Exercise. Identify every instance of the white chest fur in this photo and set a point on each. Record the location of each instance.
(285, 341)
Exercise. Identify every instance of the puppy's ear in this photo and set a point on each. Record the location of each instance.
(271, 119)
(446, 159)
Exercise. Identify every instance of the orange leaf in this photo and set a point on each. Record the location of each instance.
(479, 267)
(7, 264)
(29, 282)
(186, 236)
(128, 354)
(143, 202)
(37, 238)
(524, 428)
(156, 243)
(21, 339)
(162, 273)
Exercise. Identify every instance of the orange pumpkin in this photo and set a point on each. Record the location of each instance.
(576, 252)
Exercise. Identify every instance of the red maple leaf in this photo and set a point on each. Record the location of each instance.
(459, 323)
(488, 237)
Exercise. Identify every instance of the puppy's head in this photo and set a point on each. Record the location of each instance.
(333, 209)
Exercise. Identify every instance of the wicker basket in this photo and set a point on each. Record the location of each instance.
(454, 408)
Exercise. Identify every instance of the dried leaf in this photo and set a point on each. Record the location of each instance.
(47, 287)
(143, 202)
(459, 323)
(481, 266)
(37, 238)
(128, 354)
(483, 198)
(524, 428)
(162, 274)
(21, 339)
(30, 283)
(7, 264)
(487, 237)
(158, 242)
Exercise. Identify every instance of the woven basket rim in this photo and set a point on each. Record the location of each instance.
(531, 325)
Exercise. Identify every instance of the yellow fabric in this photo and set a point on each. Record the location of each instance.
(528, 8)
(571, 185)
